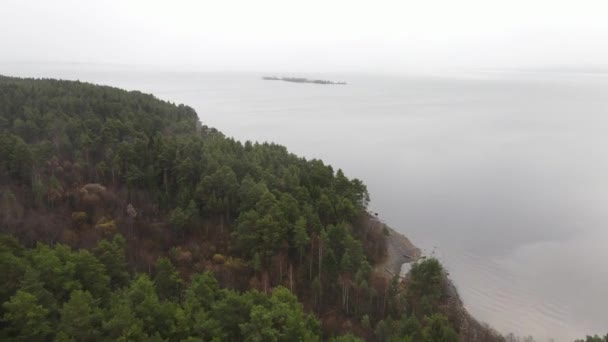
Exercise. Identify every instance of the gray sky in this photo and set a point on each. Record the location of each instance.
(310, 35)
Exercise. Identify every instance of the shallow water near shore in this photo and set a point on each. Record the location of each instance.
(503, 176)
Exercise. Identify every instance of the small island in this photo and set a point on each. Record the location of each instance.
(300, 80)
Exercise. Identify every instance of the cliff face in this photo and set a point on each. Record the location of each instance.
(399, 249)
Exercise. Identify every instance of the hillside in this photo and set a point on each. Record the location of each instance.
(125, 218)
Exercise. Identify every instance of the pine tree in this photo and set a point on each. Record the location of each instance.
(27, 320)
(167, 280)
(81, 317)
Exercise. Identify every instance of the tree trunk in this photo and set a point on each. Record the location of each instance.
(265, 280)
(290, 277)
(164, 180)
(312, 245)
(384, 302)
(347, 295)
(320, 257)
(343, 295)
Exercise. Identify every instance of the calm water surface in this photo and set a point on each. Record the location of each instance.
(503, 176)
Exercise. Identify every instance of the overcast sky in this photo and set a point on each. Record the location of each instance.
(308, 35)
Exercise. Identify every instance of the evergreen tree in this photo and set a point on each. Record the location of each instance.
(111, 253)
(167, 281)
(438, 329)
(81, 317)
(27, 320)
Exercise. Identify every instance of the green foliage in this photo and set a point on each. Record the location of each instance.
(12, 267)
(91, 273)
(167, 281)
(438, 329)
(202, 292)
(56, 268)
(32, 283)
(80, 317)
(263, 229)
(111, 253)
(410, 326)
(137, 312)
(121, 323)
(421, 319)
(180, 218)
(280, 319)
(425, 286)
(365, 323)
(259, 328)
(27, 320)
(143, 309)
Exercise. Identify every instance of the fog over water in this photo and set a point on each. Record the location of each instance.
(503, 175)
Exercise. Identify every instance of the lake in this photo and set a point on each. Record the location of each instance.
(501, 175)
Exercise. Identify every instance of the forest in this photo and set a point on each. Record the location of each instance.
(123, 217)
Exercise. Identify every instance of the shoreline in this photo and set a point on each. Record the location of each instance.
(399, 249)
